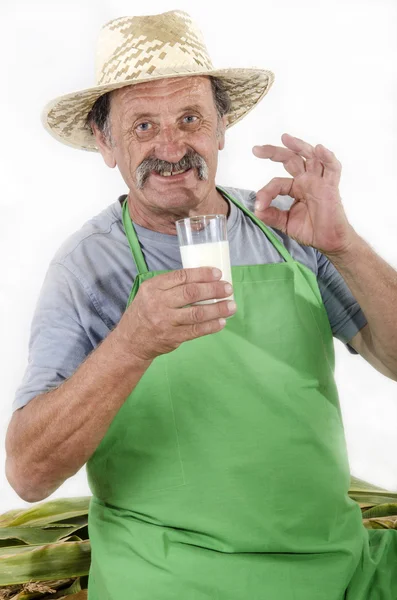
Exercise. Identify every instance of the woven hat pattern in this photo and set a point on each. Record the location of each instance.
(136, 57)
(134, 50)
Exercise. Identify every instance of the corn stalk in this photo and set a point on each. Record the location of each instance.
(45, 550)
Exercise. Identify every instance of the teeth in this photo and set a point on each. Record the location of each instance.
(168, 173)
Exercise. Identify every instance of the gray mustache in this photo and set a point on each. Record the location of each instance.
(191, 160)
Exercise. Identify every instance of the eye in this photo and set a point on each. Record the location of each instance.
(142, 127)
(190, 119)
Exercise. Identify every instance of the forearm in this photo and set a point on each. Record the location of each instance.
(55, 434)
(373, 282)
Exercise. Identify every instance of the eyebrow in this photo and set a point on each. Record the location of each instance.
(191, 107)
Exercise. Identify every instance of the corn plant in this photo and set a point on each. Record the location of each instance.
(45, 550)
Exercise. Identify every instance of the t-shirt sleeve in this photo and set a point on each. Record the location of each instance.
(60, 338)
(345, 315)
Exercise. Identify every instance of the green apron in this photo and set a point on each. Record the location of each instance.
(225, 474)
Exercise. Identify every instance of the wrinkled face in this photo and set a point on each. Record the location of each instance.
(166, 127)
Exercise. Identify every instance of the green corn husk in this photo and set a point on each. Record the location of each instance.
(9, 515)
(47, 513)
(382, 510)
(369, 495)
(46, 542)
(378, 507)
(36, 536)
(61, 560)
(47, 546)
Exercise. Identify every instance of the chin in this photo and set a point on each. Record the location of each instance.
(177, 198)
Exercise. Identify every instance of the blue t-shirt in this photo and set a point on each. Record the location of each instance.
(88, 282)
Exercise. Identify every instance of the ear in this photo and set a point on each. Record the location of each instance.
(104, 146)
(221, 132)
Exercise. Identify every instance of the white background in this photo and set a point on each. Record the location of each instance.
(336, 84)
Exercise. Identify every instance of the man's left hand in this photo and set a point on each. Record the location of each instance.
(316, 218)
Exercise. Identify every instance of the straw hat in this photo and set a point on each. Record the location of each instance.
(133, 50)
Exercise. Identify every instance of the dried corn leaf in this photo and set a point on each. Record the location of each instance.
(381, 523)
(31, 590)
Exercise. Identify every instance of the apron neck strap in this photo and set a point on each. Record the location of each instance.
(270, 235)
(133, 241)
(136, 248)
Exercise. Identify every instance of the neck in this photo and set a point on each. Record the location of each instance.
(163, 221)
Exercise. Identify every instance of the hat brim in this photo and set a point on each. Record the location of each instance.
(65, 117)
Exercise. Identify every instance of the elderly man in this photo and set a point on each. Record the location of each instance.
(215, 449)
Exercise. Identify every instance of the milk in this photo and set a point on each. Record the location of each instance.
(210, 254)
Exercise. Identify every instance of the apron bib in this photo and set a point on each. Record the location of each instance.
(225, 474)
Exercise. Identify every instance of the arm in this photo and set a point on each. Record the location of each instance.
(362, 343)
(52, 437)
(317, 218)
(373, 283)
(55, 434)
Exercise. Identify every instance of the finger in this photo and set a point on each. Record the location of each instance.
(313, 164)
(204, 312)
(332, 166)
(297, 145)
(191, 332)
(278, 186)
(190, 293)
(180, 277)
(293, 163)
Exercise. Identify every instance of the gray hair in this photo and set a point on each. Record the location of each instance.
(99, 114)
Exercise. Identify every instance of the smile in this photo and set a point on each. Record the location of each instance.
(174, 175)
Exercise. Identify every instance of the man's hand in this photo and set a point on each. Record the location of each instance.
(158, 320)
(317, 217)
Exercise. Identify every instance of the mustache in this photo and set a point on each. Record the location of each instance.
(191, 160)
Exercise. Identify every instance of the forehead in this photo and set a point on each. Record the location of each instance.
(170, 92)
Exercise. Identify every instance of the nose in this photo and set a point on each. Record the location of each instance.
(170, 145)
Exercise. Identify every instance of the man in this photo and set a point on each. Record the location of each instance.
(215, 450)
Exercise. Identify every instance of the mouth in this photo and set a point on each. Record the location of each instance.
(172, 176)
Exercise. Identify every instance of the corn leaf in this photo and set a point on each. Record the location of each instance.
(9, 516)
(21, 549)
(359, 484)
(365, 505)
(73, 589)
(36, 535)
(382, 510)
(81, 520)
(372, 524)
(373, 498)
(11, 542)
(62, 560)
(381, 523)
(367, 493)
(50, 512)
(29, 591)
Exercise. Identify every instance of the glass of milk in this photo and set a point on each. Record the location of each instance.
(203, 243)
